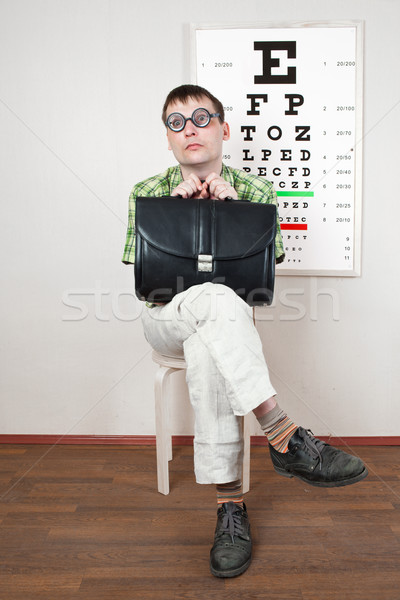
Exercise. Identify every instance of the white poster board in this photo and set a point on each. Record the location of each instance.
(293, 99)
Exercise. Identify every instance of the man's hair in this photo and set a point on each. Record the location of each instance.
(184, 92)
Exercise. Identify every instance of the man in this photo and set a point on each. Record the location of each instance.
(226, 371)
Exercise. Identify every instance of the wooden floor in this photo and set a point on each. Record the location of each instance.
(86, 522)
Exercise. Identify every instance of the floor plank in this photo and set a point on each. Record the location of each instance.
(83, 523)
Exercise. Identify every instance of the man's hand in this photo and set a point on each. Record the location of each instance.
(213, 187)
(219, 188)
(191, 187)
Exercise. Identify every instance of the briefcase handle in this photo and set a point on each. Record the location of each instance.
(229, 198)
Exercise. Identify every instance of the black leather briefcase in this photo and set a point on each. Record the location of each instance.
(184, 242)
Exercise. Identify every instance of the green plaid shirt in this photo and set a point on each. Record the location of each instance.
(248, 187)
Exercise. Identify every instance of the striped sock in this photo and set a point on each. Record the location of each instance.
(230, 492)
(278, 428)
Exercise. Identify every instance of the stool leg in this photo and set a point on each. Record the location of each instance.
(169, 437)
(163, 437)
(246, 453)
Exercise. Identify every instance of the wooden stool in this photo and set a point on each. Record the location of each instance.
(167, 366)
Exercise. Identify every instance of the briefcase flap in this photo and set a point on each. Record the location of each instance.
(224, 229)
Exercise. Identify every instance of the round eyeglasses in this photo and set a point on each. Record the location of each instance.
(200, 117)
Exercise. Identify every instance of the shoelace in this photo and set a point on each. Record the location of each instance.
(312, 444)
(231, 521)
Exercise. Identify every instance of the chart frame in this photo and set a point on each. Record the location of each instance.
(357, 124)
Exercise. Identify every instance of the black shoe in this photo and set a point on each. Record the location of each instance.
(317, 463)
(231, 553)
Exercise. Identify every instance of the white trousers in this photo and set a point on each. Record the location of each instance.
(227, 375)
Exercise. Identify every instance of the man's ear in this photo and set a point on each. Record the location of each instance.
(169, 145)
(226, 131)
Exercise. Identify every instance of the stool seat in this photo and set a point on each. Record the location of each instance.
(175, 362)
(167, 366)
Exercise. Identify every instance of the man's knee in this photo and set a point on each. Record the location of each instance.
(209, 301)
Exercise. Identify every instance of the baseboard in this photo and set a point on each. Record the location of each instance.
(177, 440)
(259, 440)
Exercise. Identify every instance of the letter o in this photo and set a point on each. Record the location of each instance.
(279, 132)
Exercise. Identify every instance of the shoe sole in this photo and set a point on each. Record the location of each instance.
(340, 483)
(233, 573)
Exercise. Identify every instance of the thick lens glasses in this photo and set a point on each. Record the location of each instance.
(200, 117)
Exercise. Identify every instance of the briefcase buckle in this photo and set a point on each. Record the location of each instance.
(204, 263)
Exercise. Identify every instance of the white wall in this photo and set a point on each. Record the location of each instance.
(82, 83)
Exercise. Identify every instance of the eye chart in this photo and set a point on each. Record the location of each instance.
(292, 96)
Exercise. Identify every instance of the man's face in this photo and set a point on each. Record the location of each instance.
(197, 147)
